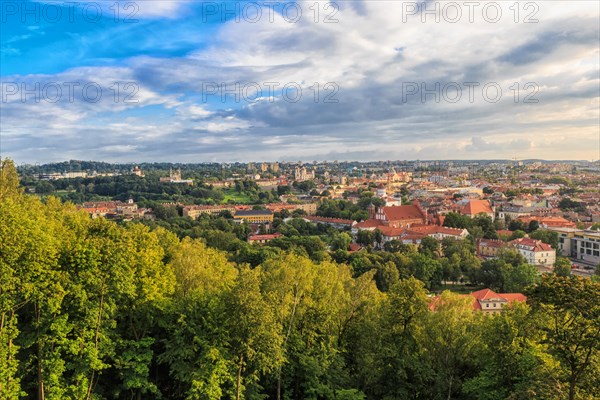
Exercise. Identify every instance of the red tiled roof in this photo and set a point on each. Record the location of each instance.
(484, 294)
(370, 223)
(269, 236)
(531, 244)
(353, 247)
(391, 232)
(491, 243)
(433, 229)
(397, 213)
(557, 222)
(474, 207)
(329, 220)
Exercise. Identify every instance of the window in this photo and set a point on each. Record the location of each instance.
(487, 305)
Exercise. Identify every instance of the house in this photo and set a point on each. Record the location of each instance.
(473, 208)
(487, 301)
(262, 239)
(490, 248)
(403, 235)
(535, 252)
(440, 232)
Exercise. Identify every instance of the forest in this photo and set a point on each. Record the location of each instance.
(95, 309)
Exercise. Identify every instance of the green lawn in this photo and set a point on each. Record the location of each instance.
(232, 194)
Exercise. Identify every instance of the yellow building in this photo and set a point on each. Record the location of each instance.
(253, 216)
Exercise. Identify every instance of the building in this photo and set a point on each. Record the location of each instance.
(115, 209)
(440, 232)
(490, 248)
(403, 235)
(487, 301)
(535, 252)
(582, 245)
(389, 200)
(473, 208)
(194, 212)
(262, 239)
(175, 177)
(399, 216)
(253, 216)
(137, 171)
(549, 222)
(302, 174)
(308, 208)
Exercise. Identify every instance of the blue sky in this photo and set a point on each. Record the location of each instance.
(193, 81)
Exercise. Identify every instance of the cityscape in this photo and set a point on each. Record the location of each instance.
(299, 200)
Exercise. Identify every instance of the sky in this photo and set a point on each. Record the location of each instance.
(205, 81)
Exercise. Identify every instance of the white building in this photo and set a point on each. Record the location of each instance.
(535, 252)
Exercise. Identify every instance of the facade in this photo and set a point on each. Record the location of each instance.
(535, 252)
(582, 245)
(195, 211)
(253, 216)
(441, 232)
(490, 248)
(308, 208)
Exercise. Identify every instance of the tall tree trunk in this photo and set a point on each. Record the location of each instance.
(572, 384)
(279, 383)
(40, 369)
(238, 385)
(450, 387)
(287, 336)
(96, 336)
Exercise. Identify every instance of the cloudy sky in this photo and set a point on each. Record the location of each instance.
(193, 81)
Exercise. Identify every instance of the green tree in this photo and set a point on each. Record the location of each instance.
(450, 340)
(514, 363)
(255, 336)
(569, 310)
(456, 220)
(562, 266)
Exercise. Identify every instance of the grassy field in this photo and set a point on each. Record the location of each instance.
(234, 195)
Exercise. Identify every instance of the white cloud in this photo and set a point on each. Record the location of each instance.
(369, 53)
